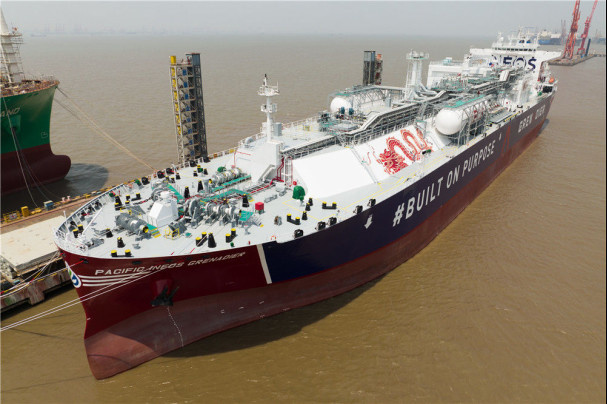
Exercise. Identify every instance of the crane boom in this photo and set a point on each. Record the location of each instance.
(570, 44)
(581, 49)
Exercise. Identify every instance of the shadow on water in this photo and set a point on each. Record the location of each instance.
(270, 328)
(81, 179)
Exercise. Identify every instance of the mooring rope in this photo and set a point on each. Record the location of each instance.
(78, 300)
(86, 119)
(39, 272)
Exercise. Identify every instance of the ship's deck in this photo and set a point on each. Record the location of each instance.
(26, 86)
(351, 174)
(252, 227)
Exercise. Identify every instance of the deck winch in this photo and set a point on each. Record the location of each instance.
(225, 176)
(132, 224)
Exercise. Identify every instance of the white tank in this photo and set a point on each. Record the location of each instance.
(338, 103)
(449, 121)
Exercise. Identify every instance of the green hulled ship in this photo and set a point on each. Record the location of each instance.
(25, 113)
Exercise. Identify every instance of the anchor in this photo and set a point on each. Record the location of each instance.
(164, 298)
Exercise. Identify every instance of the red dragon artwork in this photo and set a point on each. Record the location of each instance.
(393, 161)
(418, 142)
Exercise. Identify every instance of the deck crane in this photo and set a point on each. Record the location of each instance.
(570, 44)
(581, 50)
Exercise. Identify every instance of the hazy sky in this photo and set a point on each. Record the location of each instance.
(446, 18)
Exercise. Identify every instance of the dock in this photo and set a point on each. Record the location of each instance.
(34, 291)
(30, 264)
(575, 60)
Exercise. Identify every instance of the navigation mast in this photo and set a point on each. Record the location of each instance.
(269, 108)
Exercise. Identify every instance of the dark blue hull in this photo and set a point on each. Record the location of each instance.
(402, 213)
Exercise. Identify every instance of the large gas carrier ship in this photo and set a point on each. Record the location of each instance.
(27, 159)
(302, 211)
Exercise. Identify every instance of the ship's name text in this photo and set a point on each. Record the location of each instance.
(133, 270)
(529, 119)
(9, 112)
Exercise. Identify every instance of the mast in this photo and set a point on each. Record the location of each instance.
(414, 73)
(269, 108)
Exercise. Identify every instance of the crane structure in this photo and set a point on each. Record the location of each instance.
(581, 50)
(570, 44)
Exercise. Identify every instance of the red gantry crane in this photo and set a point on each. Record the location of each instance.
(570, 44)
(581, 49)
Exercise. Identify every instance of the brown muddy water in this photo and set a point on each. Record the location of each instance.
(505, 305)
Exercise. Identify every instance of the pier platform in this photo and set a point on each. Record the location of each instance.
(34, 291)
(27, 247)
(575, 61)
(30, 263)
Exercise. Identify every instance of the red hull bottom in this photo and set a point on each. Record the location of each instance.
(163, 329)
(38, 163)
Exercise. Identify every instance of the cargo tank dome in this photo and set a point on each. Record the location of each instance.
(449, 121)
(338, 103)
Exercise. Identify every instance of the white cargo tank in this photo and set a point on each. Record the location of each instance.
(451, 120)
(338, 103)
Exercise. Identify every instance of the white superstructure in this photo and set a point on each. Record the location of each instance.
(519, 50)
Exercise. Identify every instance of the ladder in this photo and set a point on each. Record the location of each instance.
(288, 171)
